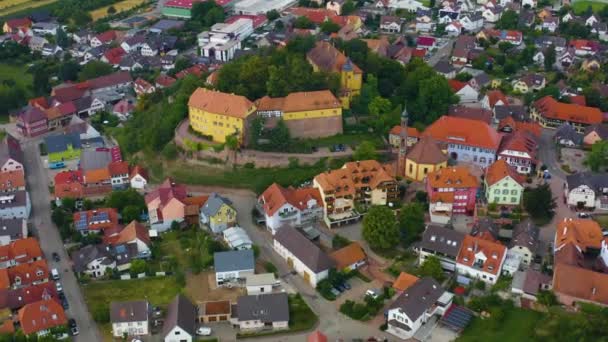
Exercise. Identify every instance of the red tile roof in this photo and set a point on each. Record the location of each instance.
(165, 81)
(18, 23)
(499, 170)
(552, 109)
(493, 252)
(138, 170)
(457, 85)
(131, 232)
(275, 196)
(496, 95)
(11, 180)
(41, 315)
(89, 215)
(118, 168)
(107, 36)
(452, 177)
(347, 256)
(21, 251)
(463, 131)
(411, 131)
(582, 233)
(114, 55)
(29, 273)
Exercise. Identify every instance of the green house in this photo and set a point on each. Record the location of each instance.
(504, 186)
(63, 147)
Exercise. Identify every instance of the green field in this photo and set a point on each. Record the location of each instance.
(16, 73)
(581, 6)
(16, 8)
(517, 325)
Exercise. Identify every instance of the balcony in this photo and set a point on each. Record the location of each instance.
(288, 215)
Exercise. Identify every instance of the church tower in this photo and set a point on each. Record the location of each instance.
(402, 143)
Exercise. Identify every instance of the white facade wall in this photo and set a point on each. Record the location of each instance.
(11, 165)
(131, 328)
(178, 334)
(138, 182)
(299, 266)
(582, 194)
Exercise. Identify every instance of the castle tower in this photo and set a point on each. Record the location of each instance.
(402, 143)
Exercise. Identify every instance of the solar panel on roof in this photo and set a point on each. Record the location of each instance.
(82, 222)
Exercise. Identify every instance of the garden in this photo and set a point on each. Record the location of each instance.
(370, 306)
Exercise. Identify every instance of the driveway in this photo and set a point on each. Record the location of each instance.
(50, 241)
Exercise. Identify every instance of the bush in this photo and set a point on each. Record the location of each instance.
(270, 267)
(324, 288)
(340, 241)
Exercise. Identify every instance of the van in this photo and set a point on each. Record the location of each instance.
(54, 274)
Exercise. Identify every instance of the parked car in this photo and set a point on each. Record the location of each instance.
(73, 326)
(64, 301)
(347, 285)
(59, 287)
(56, 257)
(340, 287)
(584, 215)
(335, 292)
(203, 331)
(373, 293)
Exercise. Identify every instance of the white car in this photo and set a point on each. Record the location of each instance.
(373, 293)
(203, 331)
(59, 287)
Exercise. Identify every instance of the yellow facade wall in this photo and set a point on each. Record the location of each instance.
(217, 126)
(417, 172)
(351, 81)
(312, 114)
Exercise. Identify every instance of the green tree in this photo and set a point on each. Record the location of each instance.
(380, 228)
(273, 15)
(431, 267)
(303, 23)
(131, 213)
(232, 142)
(68, 71)
(279, 136)
(111, 10)
(348, 7)
(207, 13)
(463, 77)
(366, 150)
(94, 69)
(539, 202)
(138, 266)
(411, 222)
(41, 83)
(379, 106)
(62, 38)
(329, 27)
(549, 58)
(547, 298)
(508, 21)
(597, 158)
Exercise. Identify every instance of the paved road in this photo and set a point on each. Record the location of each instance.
(443, 53)
(50, 241)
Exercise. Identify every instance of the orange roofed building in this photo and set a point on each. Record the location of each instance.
(580, 263)
(39, 317)
(95, 220)
(349, 258)
(404, 281)
(480, 259)
(364, 182)
(469, 141)
(550, 113)
(451, 191)
(289, 206)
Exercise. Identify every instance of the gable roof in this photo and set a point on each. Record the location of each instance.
(32, 115)
(493, 252)
(525, 234)
(41, 315)
(442, 240)
(600, 129)
(233, 261)
(582, 233)
(469, 132)
(221, 103)
(352, 175)
(167, 191)
(596, 181)
(581, 283)
(480, 114)
(213, 204)
(552, 109)
(272, 307)
(348, 255)
(275, 196)
(180, 313)
(132, 231)
(418, 298)
(427, 151)
(303, 249)
(11, 180)
(452, 177)
(327, 58)
(499, 170)
(496, 95)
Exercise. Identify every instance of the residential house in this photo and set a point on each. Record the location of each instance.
(584, 47)
(21, 251)
(325, 57)
(451, 191)
(143, 87)
(441, 242)
(93, 260)
(104, 38)
(349, 258)
(550, 113)
(232, 266)
(15, 205)
(303, 256)
(32, 273)
(472, 22)
(119, 175)
(68, 184)
(504, 186)
(313, 114)
(425, 157)
(448, 13)
(217, 213)
(138, 178)
(424, 20)
(364, 182)
(164, 81)
(525, 241)
(479, 81)
(335, 5)
(454, 28)
(123, 109)
(113, 56)
(131, 318)
(567, 135)
(11, 155)
(135, 234)
(516, 112)
(550, 23)
(492, 14)
(494, 98)
(32, 122)
(180, 322)
(63, 147)
(593, 134)
(390, 24)
(480, 259)
(260, 283)
(289, 206)
(12, 230)
(559, 43)
(508, 36)
(529, 83)
(40, 317)
(166, 204)
(445, 69)
(529, 283)
(60, 115)
(416, 306)
(519, 150)
(467, 140)
(96, 220)
(257, 312)
(51, 50)
(219, 115)
(133, 43)
(591, 64)
(12, 181)
(13, 25)
(15, 299)
(426, 42)
(464, 91)
(587, 190)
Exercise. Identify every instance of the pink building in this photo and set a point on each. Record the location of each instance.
(32, 122)
(166, 204)
(451, 191)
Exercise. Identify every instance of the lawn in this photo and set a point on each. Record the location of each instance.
(119, 6)
(581, 6)
(8, 7)
(517, 325)
(602, 220)
(15, 73)
(158, 290)
(182, 246)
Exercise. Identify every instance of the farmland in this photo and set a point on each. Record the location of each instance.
(8, 7)
(119, 6)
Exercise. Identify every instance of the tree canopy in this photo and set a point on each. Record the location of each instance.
(365, 151)
(431, 267)
(539, 202)
(380, 228)
(411, 222)
(597, 158)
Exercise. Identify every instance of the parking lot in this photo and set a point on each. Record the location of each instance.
(574, 158)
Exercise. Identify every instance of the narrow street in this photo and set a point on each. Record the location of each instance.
(50, 241)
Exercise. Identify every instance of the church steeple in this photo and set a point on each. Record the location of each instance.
(402, 143)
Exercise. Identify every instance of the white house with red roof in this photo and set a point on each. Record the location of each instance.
(480, 259)
(142, 87)
(426, 42)
(103, 38)
(494, 98)
(464, 91)
(584, 47)
(139, 178)
(519, 151)
(289, 206)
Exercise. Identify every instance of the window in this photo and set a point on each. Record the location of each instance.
(513, 199)
(505, 192)
(513, 192)
(497, 191)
